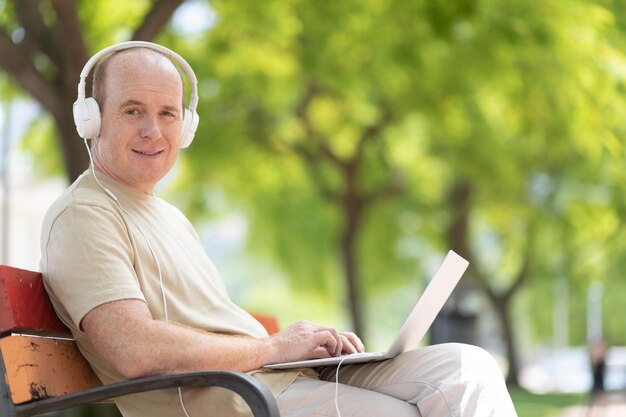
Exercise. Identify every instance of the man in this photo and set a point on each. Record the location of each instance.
(127, 273)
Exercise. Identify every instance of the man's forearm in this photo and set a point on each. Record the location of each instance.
(125, 335)
(174, 348)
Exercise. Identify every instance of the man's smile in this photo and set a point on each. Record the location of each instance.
(147, 153)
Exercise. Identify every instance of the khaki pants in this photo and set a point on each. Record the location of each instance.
(451, 380)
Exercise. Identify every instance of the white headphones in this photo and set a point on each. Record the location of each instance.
(87, 112)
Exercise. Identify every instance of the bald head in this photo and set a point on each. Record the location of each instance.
(134, 62)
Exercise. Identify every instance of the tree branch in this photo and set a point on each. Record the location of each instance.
(14, 61)
(37, 37)
(480, 278)
(301, 111)
(373, 131)
(525, 267)
(328, 153)
(314, 169)
(519, 279)
(156, 19)
(392, 188)
(304, 103)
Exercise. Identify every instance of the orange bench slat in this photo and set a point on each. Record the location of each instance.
(40, 367)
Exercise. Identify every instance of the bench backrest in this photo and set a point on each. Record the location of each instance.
(39, 358)
(24, 304)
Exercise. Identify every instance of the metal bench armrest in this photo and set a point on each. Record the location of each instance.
(254, 392)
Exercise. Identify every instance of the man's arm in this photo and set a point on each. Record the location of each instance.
(127, 337)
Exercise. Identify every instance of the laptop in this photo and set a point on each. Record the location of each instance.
(414, 328)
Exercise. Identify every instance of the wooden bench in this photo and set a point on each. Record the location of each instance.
(43, 370)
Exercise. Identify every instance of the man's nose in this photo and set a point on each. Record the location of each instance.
(150, 128)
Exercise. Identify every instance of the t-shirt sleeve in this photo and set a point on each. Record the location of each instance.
(90, 260)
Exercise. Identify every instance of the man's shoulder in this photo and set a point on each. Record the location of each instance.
(83, 192)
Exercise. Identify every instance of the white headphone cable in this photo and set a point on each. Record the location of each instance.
(154, 257)
(128, 217)
(337, 385)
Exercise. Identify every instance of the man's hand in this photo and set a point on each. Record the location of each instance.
(306, 340)
(351, 343)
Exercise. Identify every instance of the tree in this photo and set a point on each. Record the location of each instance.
(533, 116)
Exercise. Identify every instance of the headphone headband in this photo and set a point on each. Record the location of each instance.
(86, 110)
(193, 102)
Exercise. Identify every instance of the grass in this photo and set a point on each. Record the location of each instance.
(543, 405)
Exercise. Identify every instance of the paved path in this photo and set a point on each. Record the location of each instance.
(614, 405)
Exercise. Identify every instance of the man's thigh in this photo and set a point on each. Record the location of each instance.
(308, 397)
(442, 380)
(431, 366)
(428, 377)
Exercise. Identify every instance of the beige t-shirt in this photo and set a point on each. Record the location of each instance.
(94, 251)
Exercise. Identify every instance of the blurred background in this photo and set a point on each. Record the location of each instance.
(345, 146)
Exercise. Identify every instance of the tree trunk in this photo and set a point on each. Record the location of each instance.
(501, 305)
(352, 213)
(460, 203)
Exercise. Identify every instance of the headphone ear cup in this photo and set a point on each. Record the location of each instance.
(190, 125)
(87, 117)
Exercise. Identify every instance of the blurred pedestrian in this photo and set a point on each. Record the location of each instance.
(597, 360)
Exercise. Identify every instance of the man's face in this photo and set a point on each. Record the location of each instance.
(141, 119)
